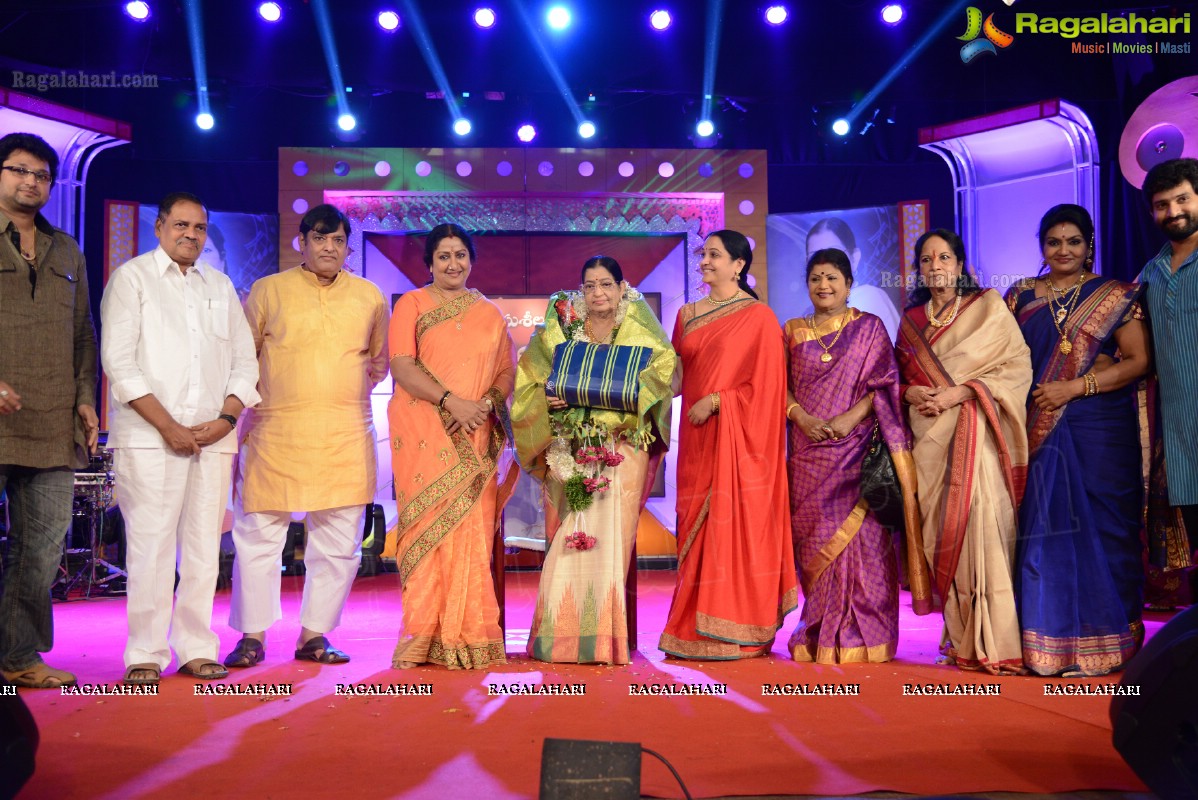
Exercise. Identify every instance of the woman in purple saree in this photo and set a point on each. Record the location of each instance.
(844, 381)
(1079, 579)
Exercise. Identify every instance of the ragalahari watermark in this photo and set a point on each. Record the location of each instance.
(78, 79)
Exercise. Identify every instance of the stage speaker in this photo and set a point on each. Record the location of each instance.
(584, 770)
(18, 743)
(1156, 731)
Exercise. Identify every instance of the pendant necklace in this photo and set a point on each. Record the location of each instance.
(827, 355)
(1064, 310)
(457, 318)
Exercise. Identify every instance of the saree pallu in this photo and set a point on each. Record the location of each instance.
(447, 487)
(736, 573)
(580, 615)
(972, 467)
(846, 558)
(1079, 578)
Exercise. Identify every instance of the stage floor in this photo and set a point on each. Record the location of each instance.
(470, 738)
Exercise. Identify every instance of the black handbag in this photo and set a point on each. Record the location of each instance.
(879, 483)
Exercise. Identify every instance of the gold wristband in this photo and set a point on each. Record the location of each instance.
(791, 408)
(715, 402)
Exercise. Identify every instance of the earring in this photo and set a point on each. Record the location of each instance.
(1089, 266)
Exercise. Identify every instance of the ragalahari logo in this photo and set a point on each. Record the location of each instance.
(974, 27)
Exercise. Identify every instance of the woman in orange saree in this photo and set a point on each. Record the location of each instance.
(454, 369)
(966, 371)
(736, 569)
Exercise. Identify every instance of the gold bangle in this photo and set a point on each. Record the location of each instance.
(791, 408)
(715, 402)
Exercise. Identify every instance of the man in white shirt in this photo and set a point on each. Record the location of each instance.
(181, 367)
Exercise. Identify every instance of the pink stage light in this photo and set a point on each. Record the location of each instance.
(138, 11)
(526, 133)
(484, 18)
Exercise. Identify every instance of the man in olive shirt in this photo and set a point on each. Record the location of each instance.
(47, 402)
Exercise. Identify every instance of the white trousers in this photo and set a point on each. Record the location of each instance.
(331, 559)
(174, 507)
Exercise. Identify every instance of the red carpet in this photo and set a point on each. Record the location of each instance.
(460, 742)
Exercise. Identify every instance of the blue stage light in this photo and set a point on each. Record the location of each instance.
(271, 12)
(138, 11)
(558, 18)
(388, 21)
(840, 127)
(586, 130)
(205, 121)
(526, 133)
(705, 128)
(484, 18)
(892, 14)
(462, 126)
(776, 15)
(660, 19)
(346, 122)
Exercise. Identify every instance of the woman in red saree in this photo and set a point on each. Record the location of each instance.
(966, 371)
(736, 572)
(454, 369)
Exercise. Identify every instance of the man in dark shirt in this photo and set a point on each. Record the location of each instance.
(47, 402)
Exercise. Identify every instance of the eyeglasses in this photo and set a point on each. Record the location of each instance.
(589, 288)
(22, 174)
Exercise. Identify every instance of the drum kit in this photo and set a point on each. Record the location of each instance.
(84, 568)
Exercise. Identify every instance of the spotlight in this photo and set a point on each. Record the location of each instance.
(484, 18)
(558, 18)
(586, 130)
(660, 19)
(461, 126)
(892, 14)
(271, 12)
(205, 121)
(526, 133)
(388, 21)
(138, 11)
(841, 127)
(776, 15)
(705, 128)
(346, 122)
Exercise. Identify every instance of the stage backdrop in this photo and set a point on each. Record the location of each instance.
(877, 240)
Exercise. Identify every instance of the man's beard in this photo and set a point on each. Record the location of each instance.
(1180, 234)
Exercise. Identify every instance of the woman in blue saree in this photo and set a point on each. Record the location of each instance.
(1079, 578)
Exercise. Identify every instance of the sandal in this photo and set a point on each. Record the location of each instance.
(319, 650)
(132, 680)
(40, 676)
(204, 669)
(247, 653)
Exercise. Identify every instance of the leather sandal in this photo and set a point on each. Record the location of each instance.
(204, 669)
(248, 653)
(40, 676)
(319, 650)
(132, 680)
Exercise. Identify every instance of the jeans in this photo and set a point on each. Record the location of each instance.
(39, 512)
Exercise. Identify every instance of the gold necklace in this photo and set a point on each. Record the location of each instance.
(827, 356)
(1062, 313)
(590, 332)
(457, 318)
(718, 303)
(935, 323)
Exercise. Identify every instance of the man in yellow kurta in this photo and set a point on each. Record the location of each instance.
(310, 446)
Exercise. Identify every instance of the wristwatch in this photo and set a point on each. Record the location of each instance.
(229, 418)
